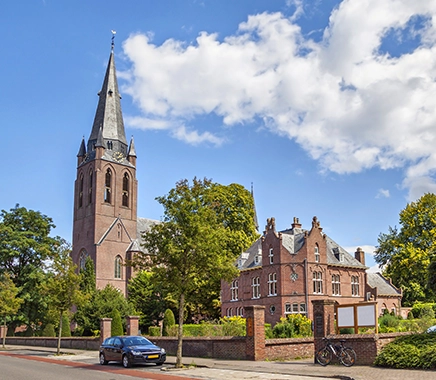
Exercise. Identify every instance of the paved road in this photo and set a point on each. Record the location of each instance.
(215, 369)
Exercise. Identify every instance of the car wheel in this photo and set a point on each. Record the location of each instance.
(103, 360)
(126, 362)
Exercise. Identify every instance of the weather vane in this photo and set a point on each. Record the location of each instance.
(113, 37)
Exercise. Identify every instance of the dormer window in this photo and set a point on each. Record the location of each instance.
(256, 260)
(271, 256)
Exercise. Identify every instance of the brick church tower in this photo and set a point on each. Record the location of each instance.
(105, 192)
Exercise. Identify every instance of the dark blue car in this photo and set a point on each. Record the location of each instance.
(131, 350)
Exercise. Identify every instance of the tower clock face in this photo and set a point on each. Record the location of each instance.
(118, 156)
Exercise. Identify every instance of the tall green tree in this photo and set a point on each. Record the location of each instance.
(149, 298)
(9, 303)
(205, 227)
(63, 286)
(102, 304)
(405, 253)
(25, 247)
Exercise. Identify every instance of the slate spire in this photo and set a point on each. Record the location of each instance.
(109, 116)
(256, 223)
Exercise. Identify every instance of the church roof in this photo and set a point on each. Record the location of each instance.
(109, 115)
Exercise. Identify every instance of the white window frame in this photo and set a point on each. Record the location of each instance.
(336, 285)
(272, 284)
(317, 283)
(255, 285)
(317, 255)
(355, 291)
(271, 255)
(234, 290)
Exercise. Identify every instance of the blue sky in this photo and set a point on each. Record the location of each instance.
(326, 112)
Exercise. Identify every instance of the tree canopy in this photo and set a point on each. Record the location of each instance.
(406, 253)
(204, 228)
(9, 303)
(25, 247)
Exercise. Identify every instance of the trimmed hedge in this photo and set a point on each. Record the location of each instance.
(413, 351)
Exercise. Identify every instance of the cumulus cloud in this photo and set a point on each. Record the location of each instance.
(346, 99)
(383, 193)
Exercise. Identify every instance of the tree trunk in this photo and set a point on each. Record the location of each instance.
(4, 332)
(59, 335)
(180, 332)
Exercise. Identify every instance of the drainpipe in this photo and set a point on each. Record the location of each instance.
(306, 286)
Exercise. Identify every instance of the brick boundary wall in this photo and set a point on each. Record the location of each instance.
(289, 349)
(78, 343)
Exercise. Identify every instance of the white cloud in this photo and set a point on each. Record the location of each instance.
(349, 105)
(383, 193)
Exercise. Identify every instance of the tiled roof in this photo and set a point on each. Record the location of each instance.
(384, 287)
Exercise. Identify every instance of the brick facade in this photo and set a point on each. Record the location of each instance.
(294, 268)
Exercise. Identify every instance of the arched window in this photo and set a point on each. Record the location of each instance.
(108, 186)
(336, 285)
(126, 182)
(81, 190)
(317, 282)
(82, 259)
(91, 180)
(117, 272)
(355, 286)
(317, 255)
(271, 256)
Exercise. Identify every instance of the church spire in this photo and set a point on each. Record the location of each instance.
(256, 223)
(109, 116)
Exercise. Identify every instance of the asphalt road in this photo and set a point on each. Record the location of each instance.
(17, 367)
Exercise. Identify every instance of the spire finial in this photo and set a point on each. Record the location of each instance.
(113, 38)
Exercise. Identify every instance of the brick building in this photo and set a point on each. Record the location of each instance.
(285, 271)
(105, 226)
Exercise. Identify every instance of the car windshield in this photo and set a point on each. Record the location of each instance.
(137, 341)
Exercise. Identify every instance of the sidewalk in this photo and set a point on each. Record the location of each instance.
(214, 369)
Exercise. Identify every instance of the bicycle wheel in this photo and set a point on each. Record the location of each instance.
(347, 356)
(324, 356)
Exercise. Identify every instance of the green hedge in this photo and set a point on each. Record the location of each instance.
(413, 351)
(227, 326)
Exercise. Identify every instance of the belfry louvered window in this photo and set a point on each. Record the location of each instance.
(125, 195)
(81, 190)
(91, 179)
(108, 186)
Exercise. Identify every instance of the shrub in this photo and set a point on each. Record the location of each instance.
(293, 326)
(388, 323)
(268, 331)
(117, 324)
(49, 330)
(65, 332)
(346, 330)
(423, 310)
(412, 351)
(168, 322)
(154, 331)
(233, 326)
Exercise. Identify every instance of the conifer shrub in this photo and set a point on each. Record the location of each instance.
(117, 324)
(65, 331)
(168, 323)
(49, 331)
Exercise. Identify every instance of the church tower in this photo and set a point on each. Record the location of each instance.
(105, 191)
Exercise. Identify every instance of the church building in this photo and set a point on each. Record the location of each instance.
(105, 226)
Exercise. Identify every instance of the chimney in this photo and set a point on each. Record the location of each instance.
(296, 223)
(360, 255)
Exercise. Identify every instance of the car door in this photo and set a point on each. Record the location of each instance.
(117, 349)
(108, 347)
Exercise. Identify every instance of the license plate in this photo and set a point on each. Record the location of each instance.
(153, 356)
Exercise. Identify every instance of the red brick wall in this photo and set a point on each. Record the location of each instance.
(288, 349)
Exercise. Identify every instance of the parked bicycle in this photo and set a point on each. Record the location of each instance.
(346, 355)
